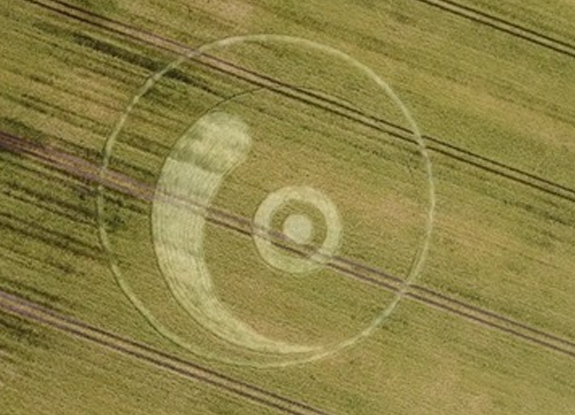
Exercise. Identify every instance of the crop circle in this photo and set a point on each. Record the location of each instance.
(296, 227)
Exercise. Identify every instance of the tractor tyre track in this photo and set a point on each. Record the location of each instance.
(141, 351)
(322, 102)
(353, 269)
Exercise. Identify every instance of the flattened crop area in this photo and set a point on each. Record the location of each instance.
(274, 207)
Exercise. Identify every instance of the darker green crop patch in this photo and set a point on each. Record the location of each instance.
(21, 129)
(96, 6)
(16, 332)
(116, 52)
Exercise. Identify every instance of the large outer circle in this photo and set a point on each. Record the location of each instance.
(420, 254)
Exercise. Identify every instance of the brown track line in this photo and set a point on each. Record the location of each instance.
(502, 25)
(31, 311)
(317, 100)
(361, 272)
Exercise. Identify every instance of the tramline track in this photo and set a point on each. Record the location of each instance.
(311, 98)
(90, 174)
(76, 328)
(82, 169)
(503, 25)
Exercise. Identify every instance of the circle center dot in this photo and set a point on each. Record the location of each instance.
(298, 228)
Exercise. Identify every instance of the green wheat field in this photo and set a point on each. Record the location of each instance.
(432, 140)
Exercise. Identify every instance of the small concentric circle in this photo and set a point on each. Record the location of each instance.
(281, 259)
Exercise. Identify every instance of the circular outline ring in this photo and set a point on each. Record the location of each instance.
(304, 194)
(419, 257)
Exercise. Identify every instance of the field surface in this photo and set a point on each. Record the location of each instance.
(347, 207)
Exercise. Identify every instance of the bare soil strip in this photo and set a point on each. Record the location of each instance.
(364, 273)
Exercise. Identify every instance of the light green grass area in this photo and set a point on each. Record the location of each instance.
(496, 243)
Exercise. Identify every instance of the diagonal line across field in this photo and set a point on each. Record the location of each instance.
(505, 26)
(317, 100)
(529, 342)
(158, 358)
(118, 182)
